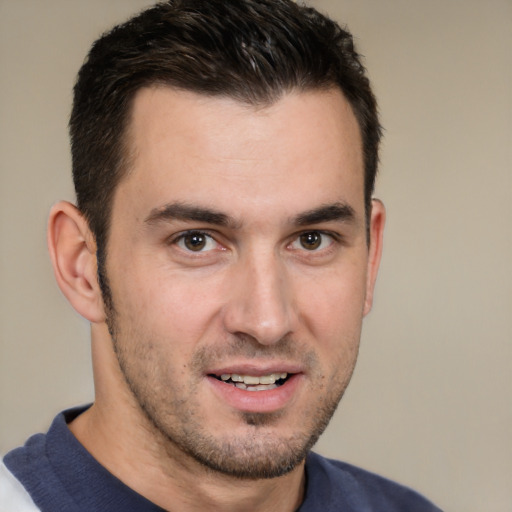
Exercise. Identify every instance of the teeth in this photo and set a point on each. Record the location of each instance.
(252, 380)
(261, 387)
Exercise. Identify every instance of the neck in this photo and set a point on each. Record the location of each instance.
(121, 438)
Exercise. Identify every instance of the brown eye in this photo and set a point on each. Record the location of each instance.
(195, 241)
(198, 246)
(311, 240)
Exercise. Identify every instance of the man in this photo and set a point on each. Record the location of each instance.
(224, 248)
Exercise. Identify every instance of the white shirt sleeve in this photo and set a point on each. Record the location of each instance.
(13, 496)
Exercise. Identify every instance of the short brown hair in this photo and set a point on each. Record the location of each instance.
(251, 50)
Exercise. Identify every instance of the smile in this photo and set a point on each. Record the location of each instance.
(253, 390)
(252, 382)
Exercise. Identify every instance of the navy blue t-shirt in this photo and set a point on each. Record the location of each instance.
(60, 475)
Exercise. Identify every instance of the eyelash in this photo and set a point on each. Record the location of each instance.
(181, 237)
(334, 238)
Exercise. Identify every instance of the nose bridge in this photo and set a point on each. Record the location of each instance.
(261, 299)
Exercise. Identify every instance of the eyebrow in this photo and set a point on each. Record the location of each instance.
(182, 211)
(326, 213)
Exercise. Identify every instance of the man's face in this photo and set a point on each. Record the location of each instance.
(237, 262)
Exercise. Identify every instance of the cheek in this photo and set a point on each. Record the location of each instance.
(332, 314)
(169, 305)
(333, 305)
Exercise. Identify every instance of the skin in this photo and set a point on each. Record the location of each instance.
(279, 282)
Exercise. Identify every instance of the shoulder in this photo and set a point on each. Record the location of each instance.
(29, 474)
(337, 485)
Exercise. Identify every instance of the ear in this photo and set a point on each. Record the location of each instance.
(73, 253)
(377, 221)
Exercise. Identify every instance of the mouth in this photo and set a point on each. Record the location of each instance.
(253, 382)
(247, 388)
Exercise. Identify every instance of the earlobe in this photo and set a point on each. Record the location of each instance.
(377, 221)
(73, 253)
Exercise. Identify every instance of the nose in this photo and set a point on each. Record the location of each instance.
(260, 300)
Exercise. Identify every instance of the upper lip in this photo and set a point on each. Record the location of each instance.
(257, 369)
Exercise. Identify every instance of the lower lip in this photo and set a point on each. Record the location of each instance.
(256, 401)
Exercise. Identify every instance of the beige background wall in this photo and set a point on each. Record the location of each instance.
(431, 401)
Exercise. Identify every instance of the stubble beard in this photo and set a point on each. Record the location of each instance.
(176, 424)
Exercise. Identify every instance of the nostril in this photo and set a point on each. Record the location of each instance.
(260, 303)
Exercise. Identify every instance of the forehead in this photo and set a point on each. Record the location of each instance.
(187, 146)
